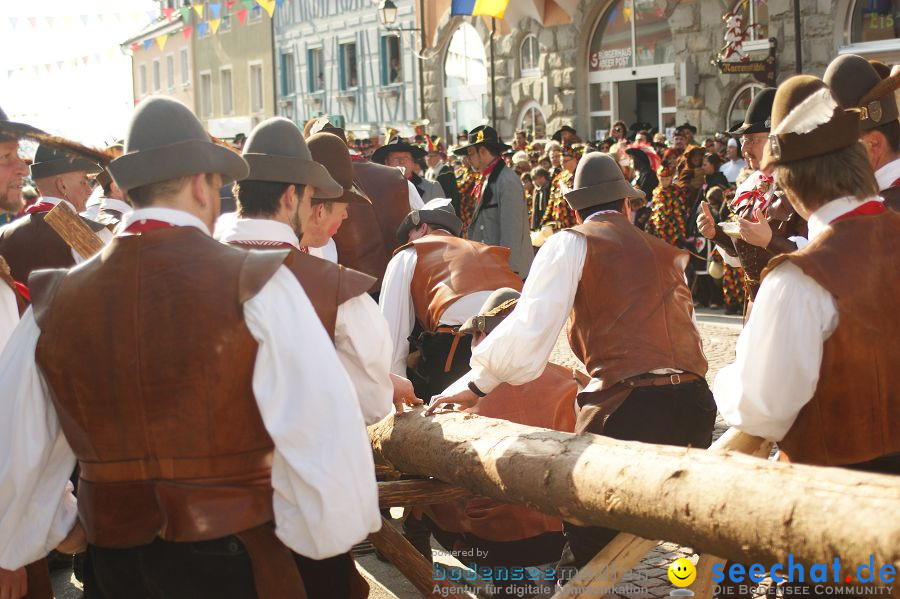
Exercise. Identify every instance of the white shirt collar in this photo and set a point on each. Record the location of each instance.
(114, 204)
(179, 218)
(55, 201)
(821, 218)
(886, 175)
(258, 229)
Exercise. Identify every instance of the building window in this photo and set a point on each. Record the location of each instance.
(754, 13)
(874, 20)
(315, 67)
(529, 56)
(631, 34)
(143, 79)
(601, 109)
(391, 61)
(256, 88)
(185, 68)
(349, 74)
(255, 13)
(227, 91)
(533, 122)
(226, 24)
(739, 104)
(170, 72)
(465, 81)
(157, 77)
(287, 74)
(206, 94)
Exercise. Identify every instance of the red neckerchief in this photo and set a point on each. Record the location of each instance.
(357, 158)
(869, 208)
(753, 199)
(23, 291)
(40, 207)
(146, 225)
(895, 183)
(484, 177)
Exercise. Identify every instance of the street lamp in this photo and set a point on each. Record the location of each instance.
(387, 13)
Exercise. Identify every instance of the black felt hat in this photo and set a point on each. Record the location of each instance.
(483, 136)
(397, 144)
(758, 118)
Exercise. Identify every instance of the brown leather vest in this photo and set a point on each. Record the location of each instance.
(633, 309)
(327, 285)
(29, 244)
(853, 415)
(891, 197)
(367, 238)
(546, 402)
(447, 268)
(169, 437)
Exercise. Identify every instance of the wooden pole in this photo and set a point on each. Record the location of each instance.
(493, 76)
(409, 493)
(74, 231)
(726, 504)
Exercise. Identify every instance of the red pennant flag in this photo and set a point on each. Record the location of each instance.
(229, 3)
(33, 22)
(168, 12)
(186, 32)
(134, 46)
(84, 59)
(242, 16)
(48, 66)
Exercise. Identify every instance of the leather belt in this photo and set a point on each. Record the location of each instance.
(660, 380)
(456, 336)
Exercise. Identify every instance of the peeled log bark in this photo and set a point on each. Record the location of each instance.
(726, 504)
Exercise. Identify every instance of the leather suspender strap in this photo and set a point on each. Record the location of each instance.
(275, 572)
(456, 335)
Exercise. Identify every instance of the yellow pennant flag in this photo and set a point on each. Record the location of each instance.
(214, 24)
(268, 5)
(199, 9)
(490, 8)
(161, 41)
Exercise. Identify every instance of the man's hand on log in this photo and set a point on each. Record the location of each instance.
(464, 399)
(13, 583)
(404, 395)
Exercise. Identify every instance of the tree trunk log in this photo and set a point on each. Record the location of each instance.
(726, 504)
(412, 493)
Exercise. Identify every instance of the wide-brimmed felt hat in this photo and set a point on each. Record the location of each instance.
(166, 141)
(807, 121)
(483, 136)
(857, 84)
(397, 144)
(438, 212)
(323, 124)
(557, 135)
(496, 307)
(686, 126)
(330, 151)
(758, 118)
(49, 162)
(11, 130)
(277, 152)
(599, 180)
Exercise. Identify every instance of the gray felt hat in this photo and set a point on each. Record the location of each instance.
(857, 84)
(599, 180)
(49, 162)
(277, 152)
(438, 212)
(166, 141)
(496, 307)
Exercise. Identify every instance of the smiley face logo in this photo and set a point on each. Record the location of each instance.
(682, 572)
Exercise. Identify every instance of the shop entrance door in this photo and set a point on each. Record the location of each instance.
(639, 102)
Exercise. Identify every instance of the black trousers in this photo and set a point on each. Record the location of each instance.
(217, 569)
(679, 415)
(428, 376)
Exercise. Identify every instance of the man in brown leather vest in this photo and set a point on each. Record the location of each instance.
(825, 387)
(504, 535)
(631, 325)
(857, 84)
(432, 285)
(211, 429)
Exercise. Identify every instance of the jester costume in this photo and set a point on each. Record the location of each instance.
(667, 215)
(558, 212)
(467, 182)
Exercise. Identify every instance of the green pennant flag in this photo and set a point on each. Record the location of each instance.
(248, 4)
(185, 14)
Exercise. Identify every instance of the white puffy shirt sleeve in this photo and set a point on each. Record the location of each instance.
(37, 509)
(517, 351)
(395, 301)
(9, 313)
(779, 354)
(364, 347)
(323, 474)
(415, 200)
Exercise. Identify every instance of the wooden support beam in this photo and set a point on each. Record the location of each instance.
(410, 493)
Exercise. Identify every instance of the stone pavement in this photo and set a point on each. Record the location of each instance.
(648, 580)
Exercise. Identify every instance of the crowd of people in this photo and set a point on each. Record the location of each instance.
(185, 409)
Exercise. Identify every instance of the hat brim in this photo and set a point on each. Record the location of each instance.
(495, 147)
(438, 218)
(350, 196)
(748, 128)
(40, 170)
(190, 157)
(481, 324)
(381, 154)
(602, 193)
(294, 170)
(17, 130)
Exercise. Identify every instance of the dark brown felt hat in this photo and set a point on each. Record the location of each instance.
(857, 84)
(807, 121)
(598, 181)
(277, 152)
(10, 130)
(330, 151)
(166, 141)
(49, 162)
